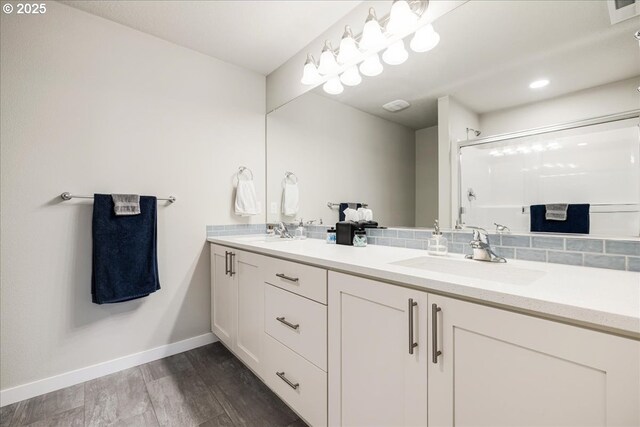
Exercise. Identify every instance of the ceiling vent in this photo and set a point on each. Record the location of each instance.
(621, 10)
(397, 105)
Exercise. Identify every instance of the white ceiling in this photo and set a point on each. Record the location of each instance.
(491, 50)
(257, 35)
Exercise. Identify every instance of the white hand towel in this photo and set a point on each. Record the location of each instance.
(351, 215)
(246, 200)
(365, 214)
(290, 199)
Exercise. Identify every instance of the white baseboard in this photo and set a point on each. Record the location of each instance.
(46, 385)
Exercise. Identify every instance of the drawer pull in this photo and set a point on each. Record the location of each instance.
(289, 324)
(283, 378)
(285, 277)
(434, 333)
(412, 344)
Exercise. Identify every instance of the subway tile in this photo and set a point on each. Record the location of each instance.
(456, 248)
(495, 239)
(398, 243)
(569, 258)
(416, 244)
(376, 232)
(633, 264)
(605, 261)
(505, 252)
(383, 241)
(622, 248)
(585, 245)
(543, 242)
(406, 234)
(372, 240)
(462, 237)
(422, 234)
(389, 233)
(516, 241)
(531, 254)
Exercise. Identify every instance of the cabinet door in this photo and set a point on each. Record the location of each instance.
(373, 378)
(223, 296)
(499, 368)
(250, 307)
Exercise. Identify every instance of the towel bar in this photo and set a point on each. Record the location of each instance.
(68, 196)
(337, 205)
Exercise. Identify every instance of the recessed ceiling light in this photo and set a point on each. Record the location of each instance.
(538, 84)
(397, 105)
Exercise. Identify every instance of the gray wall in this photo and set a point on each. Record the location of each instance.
(426, 176)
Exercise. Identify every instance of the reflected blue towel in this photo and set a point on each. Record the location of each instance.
(125, 260)
(577, 220)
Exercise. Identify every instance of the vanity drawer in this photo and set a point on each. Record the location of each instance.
(310, 282)
(297, 322)
(298, 382)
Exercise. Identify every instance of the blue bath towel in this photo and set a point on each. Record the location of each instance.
(577, 220)
(125, 261)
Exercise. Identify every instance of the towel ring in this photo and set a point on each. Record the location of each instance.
(243, 169)
(291, 175)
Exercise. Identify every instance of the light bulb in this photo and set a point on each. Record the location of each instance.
(395, 54)
(348, 47)
(425, 39)
(371, 66)
(328, 64)
(372, 37)
(351, 76)
(401, 19)
(333, 86)
(310, 75)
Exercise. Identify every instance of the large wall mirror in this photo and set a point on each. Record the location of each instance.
(483, 137)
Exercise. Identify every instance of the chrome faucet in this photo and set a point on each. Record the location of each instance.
(481, 247)
(501, 228)
(282, 230)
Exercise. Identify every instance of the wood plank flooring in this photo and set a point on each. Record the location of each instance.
(205, 387)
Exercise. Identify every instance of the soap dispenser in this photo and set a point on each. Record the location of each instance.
(300, 231)
(437, 244)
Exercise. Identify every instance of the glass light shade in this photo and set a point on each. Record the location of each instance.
(371, 66)
(395, 54)
(328, 64)
(372, 37)
(351, 76)
(333, 86)
(401, 18)
(425, 39)
(310, 75)
(348, 47)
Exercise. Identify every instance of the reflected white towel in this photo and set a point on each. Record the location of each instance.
(365, 214)
(290, 199)
(246, 200)
(351, 215)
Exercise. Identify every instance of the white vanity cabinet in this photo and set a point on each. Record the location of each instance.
(237, 302)
(499, 368)
(378, 353)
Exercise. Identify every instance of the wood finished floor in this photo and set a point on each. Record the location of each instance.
(206, 386)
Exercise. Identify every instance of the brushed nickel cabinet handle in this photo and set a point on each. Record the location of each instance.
(284, 322)
(226, 262)
(283, 378)
(231, 258)
(434, 333)
(285, 277)
(412, 344)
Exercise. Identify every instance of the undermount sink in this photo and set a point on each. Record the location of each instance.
(497, 272)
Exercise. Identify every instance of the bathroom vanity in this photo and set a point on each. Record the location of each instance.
(373, 336)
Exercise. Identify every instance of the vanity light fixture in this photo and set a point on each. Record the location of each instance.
(328, 63)
(310, 75)
(371, 66)
(537, 84)
(395, 54)
(333, 86)
(425, 39)
(351, 76)
(362, 51)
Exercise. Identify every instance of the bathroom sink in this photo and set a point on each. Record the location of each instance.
(497, 272)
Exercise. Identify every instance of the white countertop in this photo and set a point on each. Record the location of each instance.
(603, 299)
